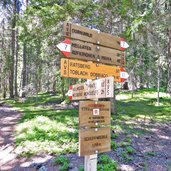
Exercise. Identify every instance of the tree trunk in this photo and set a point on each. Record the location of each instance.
(169, 64)
(113, 102)
(63, 88)
(11, 72)
(54, 84)
(113, 105)
(3, 76)
(38, 68)
(24, 71)
(16, 65)
(1, 59)
(141, 75)
(4, 88)
(16, 58)
(158, 83)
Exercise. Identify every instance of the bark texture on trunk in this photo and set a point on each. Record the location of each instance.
(169, 64)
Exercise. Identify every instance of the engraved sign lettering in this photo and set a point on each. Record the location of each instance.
(92, 141)
(90, 52)
(91, 116)
(100, 88)
(86, 70)
(93, 36)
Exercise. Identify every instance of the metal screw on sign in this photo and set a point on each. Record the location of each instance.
(96, 129)
(96, 151)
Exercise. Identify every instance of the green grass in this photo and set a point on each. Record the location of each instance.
(114, 145)
(105, 163)
(151, 153)
(126, 157)
(142, 107)
(130, 150)
(63, 162)
(44, 129)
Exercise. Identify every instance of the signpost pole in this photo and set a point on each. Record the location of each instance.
(90, 162)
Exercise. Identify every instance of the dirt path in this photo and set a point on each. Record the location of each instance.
(152, 149)
(8, 120)
(8, 156)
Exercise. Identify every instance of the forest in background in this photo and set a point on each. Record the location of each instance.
(31, 29)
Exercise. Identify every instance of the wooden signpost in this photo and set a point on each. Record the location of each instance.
(94, 114)
(90, 52)
(92, 36)
(100, 88)
(95, 48)
(94, 133)
(86, 70)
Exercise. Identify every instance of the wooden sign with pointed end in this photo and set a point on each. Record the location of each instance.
(87, 70)
(90, 52)
(65, 47)
(93, 36)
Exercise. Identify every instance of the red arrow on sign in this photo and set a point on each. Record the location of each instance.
(65, 47)
(124, 45)
(70, 92)
(123, 74)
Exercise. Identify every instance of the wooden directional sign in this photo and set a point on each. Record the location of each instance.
(94, 141)
(90, 52)
(94, 114)
(88, 35)
(87, 70)
(100, 88)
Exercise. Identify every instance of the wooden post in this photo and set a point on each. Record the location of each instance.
(90, 162)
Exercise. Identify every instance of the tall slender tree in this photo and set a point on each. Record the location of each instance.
(169, 63)
(24, 78)
(12, 56)
(17, 50)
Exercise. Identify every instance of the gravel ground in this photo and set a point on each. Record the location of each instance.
(152, 150)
